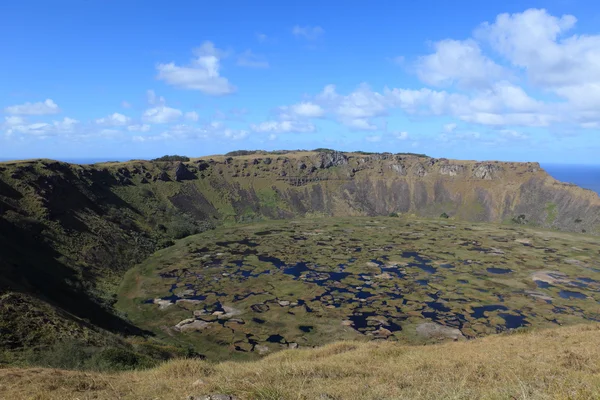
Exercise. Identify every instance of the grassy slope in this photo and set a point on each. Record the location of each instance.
(562, 363)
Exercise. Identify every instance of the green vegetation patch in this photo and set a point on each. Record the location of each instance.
(244, 291)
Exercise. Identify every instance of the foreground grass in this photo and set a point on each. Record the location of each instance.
(562, 363)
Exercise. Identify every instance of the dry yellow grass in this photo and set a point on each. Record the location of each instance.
(562, 363)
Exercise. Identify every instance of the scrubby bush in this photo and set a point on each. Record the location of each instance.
(66, 354)
(520, 219)
(413, 154)
(242, 153)
(394, 214)
(444, 215)
(172, 158)
(77, 355)
(182, 225)
(116, 359)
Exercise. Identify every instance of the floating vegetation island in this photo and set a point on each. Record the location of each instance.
(250, 290)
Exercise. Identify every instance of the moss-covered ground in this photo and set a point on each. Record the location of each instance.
(246, 290)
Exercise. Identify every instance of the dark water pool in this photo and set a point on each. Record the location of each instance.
(568, 294)
(499, 270)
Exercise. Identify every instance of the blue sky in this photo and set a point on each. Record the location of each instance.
(511, 80)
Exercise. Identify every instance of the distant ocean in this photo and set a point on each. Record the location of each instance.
(81, 160)
(586, 176)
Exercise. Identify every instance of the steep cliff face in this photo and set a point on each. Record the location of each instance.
(68, 232)
(333, 183)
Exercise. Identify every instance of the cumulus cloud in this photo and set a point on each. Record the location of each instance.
(536, 42)
(308, 32)
(214, 130)
(283, 127)
(161, 115)
(45, 129)
(450, 127)
(458, 62)
(203, 74)
(251, 60)
(46, 107)
(14, 120)
(192, 116)
(400, 135)
(356, 109)
(115, 119)
(373, 138)
(139, 128)
(301, 110)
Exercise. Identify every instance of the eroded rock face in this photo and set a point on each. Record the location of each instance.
(163, 176)
(486, 171)
(183, 173)
(451, 169)
(432, 330)
(419, 170)
(332, 159)
(399, 169)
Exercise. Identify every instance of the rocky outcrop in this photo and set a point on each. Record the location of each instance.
(399, 169)
(452, 169)
(332, 159)
(419, 170)
(162, 176)
(183, 173)
(191, 324)
(432, 330)
(487, 171)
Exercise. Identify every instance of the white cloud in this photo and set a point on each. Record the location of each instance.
(360, 124)
(373, 138)
(115, 119)
(251, 60)
(14, 120)
(235, 134)
(202, 75)
(355, 109)
(161, 115)
(512, 134)
(458, 62)
(301, 110)
(400, 135)
(450, 127)
(139, 128)
(535, 42)
(212, 130)
(44, 129)
(283, 127)
(192, 116)
(41, 108)
(125, 104)
(308, 32)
